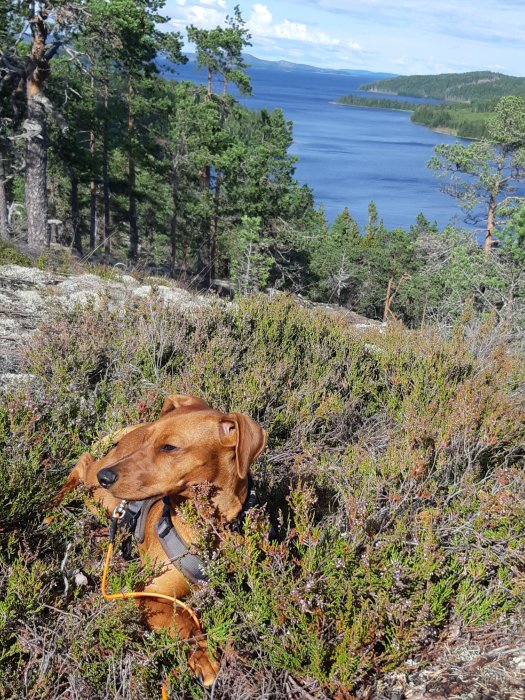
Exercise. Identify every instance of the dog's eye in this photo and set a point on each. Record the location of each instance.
(168, 448)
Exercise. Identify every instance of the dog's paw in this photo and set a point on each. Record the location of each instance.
(204, 667)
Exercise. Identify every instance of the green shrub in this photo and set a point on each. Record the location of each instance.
(9, 255)
(393, 477)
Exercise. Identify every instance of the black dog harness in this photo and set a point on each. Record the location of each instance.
(133, 521)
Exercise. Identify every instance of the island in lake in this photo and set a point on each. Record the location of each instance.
(467, 100)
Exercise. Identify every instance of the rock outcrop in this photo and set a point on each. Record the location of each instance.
(28, 295)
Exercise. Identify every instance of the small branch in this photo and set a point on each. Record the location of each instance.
(52, 50)
(63, 569)
(11, 67)
(512, 198)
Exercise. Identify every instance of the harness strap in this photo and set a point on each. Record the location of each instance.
(133, 520)
(178, 552)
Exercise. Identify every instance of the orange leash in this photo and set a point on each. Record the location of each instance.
(141, 594)
(117, 514)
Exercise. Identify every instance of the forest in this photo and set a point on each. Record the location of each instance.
(102, 149)
(468, 99)
(462, 87)
(457, 118)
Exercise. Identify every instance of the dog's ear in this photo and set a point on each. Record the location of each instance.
(247, 436)
(177, 401)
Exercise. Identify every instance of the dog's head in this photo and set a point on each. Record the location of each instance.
(188, 445)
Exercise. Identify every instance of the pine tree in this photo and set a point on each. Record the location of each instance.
(219, 50)
(483, 175)
(52, 26)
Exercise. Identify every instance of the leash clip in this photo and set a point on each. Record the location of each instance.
(119, 510)
(117, 514)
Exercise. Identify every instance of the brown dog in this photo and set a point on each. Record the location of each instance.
(160, 462)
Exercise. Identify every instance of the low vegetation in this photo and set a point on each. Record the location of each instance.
(376, 103)
(393, 478)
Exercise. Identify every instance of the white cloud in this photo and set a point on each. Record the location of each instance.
(261, 24)
(204, 17)
(261, 16)
(272, 38)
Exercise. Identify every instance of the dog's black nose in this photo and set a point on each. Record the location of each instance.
(106, 477)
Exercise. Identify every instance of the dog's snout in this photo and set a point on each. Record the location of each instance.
(106, 477)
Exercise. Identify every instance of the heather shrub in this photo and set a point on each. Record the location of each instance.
(10, 255)
(393, 479)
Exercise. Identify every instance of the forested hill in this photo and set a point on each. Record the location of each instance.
(478, 85)
(469, 99)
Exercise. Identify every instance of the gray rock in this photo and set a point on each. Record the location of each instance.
(12, 380)
(28, 296)
(18, 276)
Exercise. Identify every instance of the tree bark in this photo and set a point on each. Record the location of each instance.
(489, 232)
(92, 182)
(36, 172)
(204, 256)
(388, 300)
(4, 216)
(92, 214)
(132, 177)
(105, 171)
(75, 214)
(36, 140)
(213, 228)
(174, 224)
(491, 211)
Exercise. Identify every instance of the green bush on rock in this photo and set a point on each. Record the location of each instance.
(393, 477)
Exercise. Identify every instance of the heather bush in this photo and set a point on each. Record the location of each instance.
(393, 479)
(10, 255)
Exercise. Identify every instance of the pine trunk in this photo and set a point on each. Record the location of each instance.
(213, 228)
(204, 256)
(4, 216)
(92, 185)
(36, 171)
(133, 228)
(105, 172)
(489, 232)
(92, 214)
(491, 211)
(174, 225)
(388, 300)
(75, 214)
(36, 140)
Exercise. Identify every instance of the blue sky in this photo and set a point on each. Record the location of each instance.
(398, 36)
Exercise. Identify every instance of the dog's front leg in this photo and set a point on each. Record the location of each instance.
(179, 622)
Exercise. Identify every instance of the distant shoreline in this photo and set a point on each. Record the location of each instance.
(437, 129)
(391, 109)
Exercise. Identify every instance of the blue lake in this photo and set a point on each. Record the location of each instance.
(350, 155)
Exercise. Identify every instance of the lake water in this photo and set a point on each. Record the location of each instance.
(350, 155)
